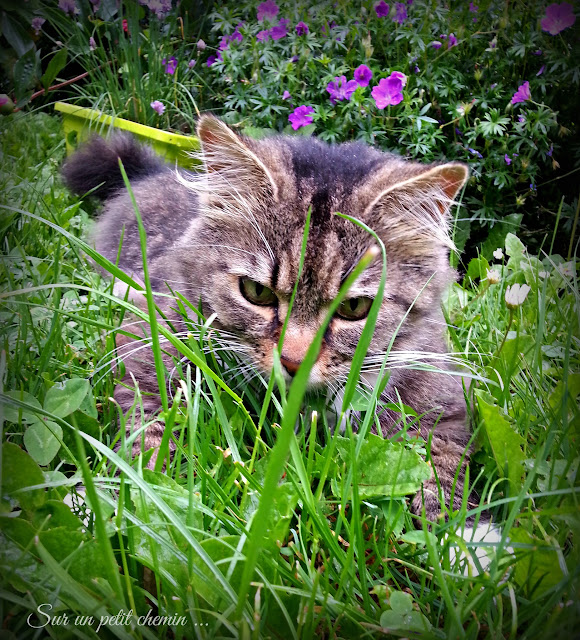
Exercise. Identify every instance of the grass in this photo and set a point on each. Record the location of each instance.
(257, 529)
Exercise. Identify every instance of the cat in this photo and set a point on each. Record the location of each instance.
(229, 238)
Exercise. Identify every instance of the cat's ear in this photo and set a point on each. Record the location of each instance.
(421, 200)
(230, 163)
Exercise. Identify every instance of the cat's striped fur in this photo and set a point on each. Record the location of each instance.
(243, 217)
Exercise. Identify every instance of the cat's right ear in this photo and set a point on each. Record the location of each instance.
(231, 163)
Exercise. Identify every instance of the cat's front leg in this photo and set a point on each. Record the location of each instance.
(449, 460)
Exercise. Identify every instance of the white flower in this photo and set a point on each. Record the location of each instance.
(493, 276)
(543, 274)
(566, 269)
(498, 254)
(515, 295)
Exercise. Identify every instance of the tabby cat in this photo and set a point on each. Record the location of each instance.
(229, 238)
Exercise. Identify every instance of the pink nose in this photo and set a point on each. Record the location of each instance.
(291, 366)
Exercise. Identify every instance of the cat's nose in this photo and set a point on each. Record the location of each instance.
(291, 366)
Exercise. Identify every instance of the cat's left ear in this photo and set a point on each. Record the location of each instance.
(439, 185)
(226, 155)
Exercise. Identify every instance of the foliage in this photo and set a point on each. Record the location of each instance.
(86, 532)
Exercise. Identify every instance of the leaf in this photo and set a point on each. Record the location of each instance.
(55, 66)
(402, 617)
(506, 444)
(17, 38)
(477, 268)
(42, 440)
(25, 73)
(11, 413)
(384, 468)
(538, 568)
(66, 397)
(497, 235)
(19, 471)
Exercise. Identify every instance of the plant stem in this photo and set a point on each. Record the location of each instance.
(511, 319)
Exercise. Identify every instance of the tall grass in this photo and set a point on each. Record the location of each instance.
(264, 524)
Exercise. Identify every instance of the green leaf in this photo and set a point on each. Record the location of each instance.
(515, 249)
(19, 471)
(42, 440)
(25, 72)
(477, 268)
(538, 568)
(12, 413)
(402, 617)
(66, 397)
(497, 235)
(16, 36)
(384, 468)
(55, 66)
(506, 444)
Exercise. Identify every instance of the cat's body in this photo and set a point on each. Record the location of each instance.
(230, 239)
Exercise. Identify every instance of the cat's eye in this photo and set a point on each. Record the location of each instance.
(257, 293)
(354, 308)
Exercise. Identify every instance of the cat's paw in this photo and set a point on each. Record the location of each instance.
(483, 544)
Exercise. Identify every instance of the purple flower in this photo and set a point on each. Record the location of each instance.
(340, 89)
(158, 7)
(537, 52)
(452, 41)
(363, 75)
(68, 6)
(191, 64)
(263, 36)
(458, 132)
(280, 30)
(92, 44)
(158, 107)
(389, 91)
(551, 150)
(542, 69)
(382, 9)
(558, 17)
(201, 45)
(170, 65)
(473, 7)
(400, 13)
(286, 95)
(224, 43)
(416, 69)
(294, 59)
(301, 117)
(4, 100)
(96, 4)
(522, 94)
(36, 24)
(475, 153)
(211, 60)
(268, 9)
(435, 44)
(507, 159)
(302, 28)
(521, 118)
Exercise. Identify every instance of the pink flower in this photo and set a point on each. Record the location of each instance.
(389, 91)
(263, 36)
(301, 28)
(340, 89)
(92, 44)
(507, 159)
(382, 9)
(280, 30)
(158, 107)
(301, 117)
(542, 69)
(522, 94)
(170, 65)
(68, 6)
(363, 75)
(125, 26)
(268, 9)
(201, 45)
(191, 64)
(558, 17)
(36, 24)
(400, 13)
(286, 95)
(435, 44)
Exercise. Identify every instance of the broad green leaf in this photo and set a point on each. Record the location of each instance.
(19, 471)
(515, 249)
(12, 413)
(59, 515)
(402, 617)
(66, 397)
(384, 468)
(42, 440)
(419, 536)
(55, 66)
(477, 268)
(538, 568)
(506, 445)
(568, 394)
(25, 71)
(497, 235)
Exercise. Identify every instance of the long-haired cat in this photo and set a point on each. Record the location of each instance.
(229, 238)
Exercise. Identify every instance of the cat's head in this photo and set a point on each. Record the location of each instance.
(244, 249)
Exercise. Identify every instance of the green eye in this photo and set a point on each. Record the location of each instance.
(257, 293)
(354, 308)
